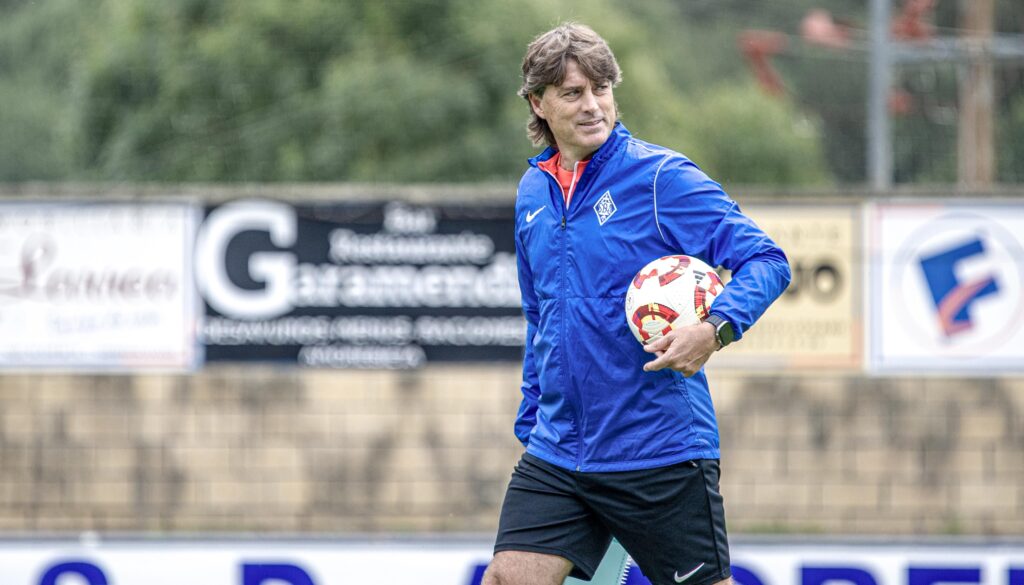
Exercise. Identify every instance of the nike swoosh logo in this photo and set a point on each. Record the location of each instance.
(532, 214)
(680, 578)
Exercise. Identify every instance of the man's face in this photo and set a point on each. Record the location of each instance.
(580, 112)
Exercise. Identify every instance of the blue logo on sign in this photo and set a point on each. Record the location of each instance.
(953, 298)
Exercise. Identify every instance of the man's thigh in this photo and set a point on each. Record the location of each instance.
(670, 519)
(514, 567)
(543, 513)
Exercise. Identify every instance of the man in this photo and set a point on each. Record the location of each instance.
(617, 443)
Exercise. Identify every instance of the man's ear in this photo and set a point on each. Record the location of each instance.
(538, 108)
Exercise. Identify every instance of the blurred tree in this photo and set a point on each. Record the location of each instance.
(1011, 137)
(730, 127)
(832, 86)
(31, 145)
(37, 45)
(206, 90)
(361, 90)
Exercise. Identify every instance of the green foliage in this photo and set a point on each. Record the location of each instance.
(37, 44)
(1009, 168)
(31, 147)
(833, 86)
(741, 135)
(217, 90)
(373, 90)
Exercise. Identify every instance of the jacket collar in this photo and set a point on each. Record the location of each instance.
(618, 136)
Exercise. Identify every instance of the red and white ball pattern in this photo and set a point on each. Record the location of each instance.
(670, 292)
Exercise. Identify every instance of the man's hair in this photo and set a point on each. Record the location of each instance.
(546, 61)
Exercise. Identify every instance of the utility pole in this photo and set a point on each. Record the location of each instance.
(879, 126)
(976, 166)
(975, 51)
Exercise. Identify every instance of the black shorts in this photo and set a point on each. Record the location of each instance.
(669, 519)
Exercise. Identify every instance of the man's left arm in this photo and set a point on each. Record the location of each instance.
(699, 219)
(760, 270)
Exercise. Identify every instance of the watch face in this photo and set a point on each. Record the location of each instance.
(725, 333)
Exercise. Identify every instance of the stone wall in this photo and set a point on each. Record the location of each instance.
(873, 455)
(285, 450)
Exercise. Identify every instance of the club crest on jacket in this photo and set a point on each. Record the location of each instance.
(605, 207)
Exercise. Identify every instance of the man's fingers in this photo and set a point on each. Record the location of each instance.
(656, 345)
(655, 364)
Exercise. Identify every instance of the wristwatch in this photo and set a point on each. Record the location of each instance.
(723, 330)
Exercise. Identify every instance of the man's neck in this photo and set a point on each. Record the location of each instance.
(568, 160)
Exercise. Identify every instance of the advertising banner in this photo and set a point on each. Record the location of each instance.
(97, 286)
(944, 287)
(436, 562)
(816, 323)
(359, 285)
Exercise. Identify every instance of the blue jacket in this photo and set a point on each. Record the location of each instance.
(587, 403)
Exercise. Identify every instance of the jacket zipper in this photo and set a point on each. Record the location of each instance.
(574, 187)
(565, 366)
(565, 357)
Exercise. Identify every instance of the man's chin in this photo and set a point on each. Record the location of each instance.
(595, 140)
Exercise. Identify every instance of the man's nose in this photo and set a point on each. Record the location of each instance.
(589, 101)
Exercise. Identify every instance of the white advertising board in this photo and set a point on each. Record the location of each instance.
(97, 286)
(436, 562)
(943, 288)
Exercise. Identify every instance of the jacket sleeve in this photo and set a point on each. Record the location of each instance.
(697, 217)
(527, 417)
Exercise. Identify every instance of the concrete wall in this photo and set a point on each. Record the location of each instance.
(264, 449)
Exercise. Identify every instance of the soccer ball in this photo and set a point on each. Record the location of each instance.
(670, 292)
